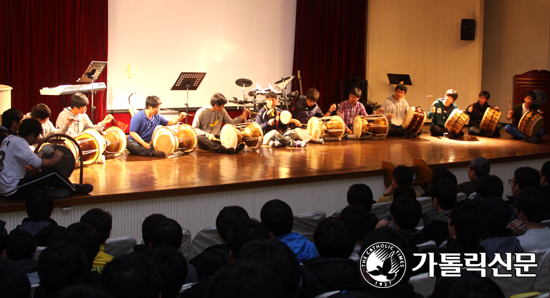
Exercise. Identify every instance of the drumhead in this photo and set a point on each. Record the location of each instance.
(490, 119)
(314, 127)
(187, 138)
(531, 123)
(164, 139)
(358, 126)
(115, 139)
(456, 121)
(229, 137)
(335, 127)
(285, 117)
(408, 117)
(92, 145)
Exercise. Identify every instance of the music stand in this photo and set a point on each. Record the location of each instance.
(188, 81)
(90, 75)
(395, 79)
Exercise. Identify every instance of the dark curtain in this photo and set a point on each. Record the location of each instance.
(50, 43)
(330, 45)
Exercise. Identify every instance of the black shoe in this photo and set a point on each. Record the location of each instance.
(159, 154)
(240, 147)
(412, 135)
(83, 189)
(532, 139)
(227, 150)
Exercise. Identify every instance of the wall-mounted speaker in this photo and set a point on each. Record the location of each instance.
(468, 29)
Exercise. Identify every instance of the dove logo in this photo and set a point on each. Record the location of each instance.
(383, 265)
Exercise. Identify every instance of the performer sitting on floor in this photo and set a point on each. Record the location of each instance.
(517, 112)
(77, 111)
(350, 108)
(395, 108)
(274, 130)
(15, 154)
(142, 127)
(306, 108)
(440, 112)
(11, 120)
(208, 122)
(42, 113)
(476, 112)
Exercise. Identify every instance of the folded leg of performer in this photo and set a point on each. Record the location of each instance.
(206, 144)
(396, 131)
(437, 131)
(136, 149)
(514, 131)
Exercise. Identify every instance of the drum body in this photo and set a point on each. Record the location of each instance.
(456, 121)
(187, 138)
(92, 144)
(67, 163)
(414, 119)
(252, 134)
(285, 117)
(372, 126)
(230, 136)
(531, 123)
(165, 140)
(490, 119)
(115, 139)
(326, 127)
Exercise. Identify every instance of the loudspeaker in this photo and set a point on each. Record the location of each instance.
(468, 29)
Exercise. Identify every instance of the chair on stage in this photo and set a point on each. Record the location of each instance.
(204, 239)
(120, 246)
(185, 243)
(305, 223)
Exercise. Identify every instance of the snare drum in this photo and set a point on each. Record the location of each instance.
(531, 123)
(372, 126)
(456, 121)
(116, 140)
(165, 139)
(92, 144)
(490, 119)
(414, 119)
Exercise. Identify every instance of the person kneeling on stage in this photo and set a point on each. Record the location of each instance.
(476, 112)
(42, 113)
(395, 108)
(517, 112)
(142, 127)
(208, 123)
(351, 108)
(274, 130)
(77, 111)
(440, 112)
(15, 155)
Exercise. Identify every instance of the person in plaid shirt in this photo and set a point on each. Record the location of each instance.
(350, 108)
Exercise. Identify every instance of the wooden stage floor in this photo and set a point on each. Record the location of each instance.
(130, 177)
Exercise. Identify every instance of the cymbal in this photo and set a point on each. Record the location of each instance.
(242, 81)
(283, 82)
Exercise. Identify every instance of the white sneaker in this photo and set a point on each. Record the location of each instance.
(300, 144)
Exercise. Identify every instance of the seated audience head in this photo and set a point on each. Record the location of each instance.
(20, 245)
(245, 280)
(443, 194)
(131, 276)
(172, 269)
(39, 205)
(218, 99)
(101, 220)
(61, 265)
(442, 172)
(402, 175)
(167, 232)
(11, 118)
(545, 174)
(41, 112)
(406, 213)
(82, 291)
(360, 194)
(478, 168)
(404, 191)
(79, 103)
(490, 186)
(30, 128)
(278, 257)
(152, 102)
(532, 205)
(148, 226)
(86, 236)
(391, 235)
(499, 213)
(244, 231)
(469, 223)
(227, 217)
(334, 238)
(359, 219)
(524, 177)
(14, 282)
(277, 216)
(468, 285)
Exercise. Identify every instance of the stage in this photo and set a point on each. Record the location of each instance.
(312, 178)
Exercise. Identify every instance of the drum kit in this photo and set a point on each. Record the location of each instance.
(370, 127)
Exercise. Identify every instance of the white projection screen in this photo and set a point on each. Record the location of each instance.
(228, 40)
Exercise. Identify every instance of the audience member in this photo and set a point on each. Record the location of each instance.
(147, 228)
(438, 173)
(131, 276)
(20, 247)
(278, 218)
(404, 191)
(172, 269)
(14, 283)
(468, 285)
(360, 194)
(85, 236)
(401, 175)
(405, 215)
(102, 221)
(523, 177)
(332, 270)
(489, 186)
(359, 219)
(477, 168)
(278, 257)
(443, 193)
(82, 291)
(545, 178)
(166, 232)
(45, 230)
(531, 211)
(215, 257)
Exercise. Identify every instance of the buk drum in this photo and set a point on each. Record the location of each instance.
(490, 119)
(456, 121)
(531, 123)
(326, 127)
(165, 139)
(373, 126)
(233, 135)
(187, 138)
(414, 120)
(93, 145)
(67, 163)
(285, 117)
(115, 139)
